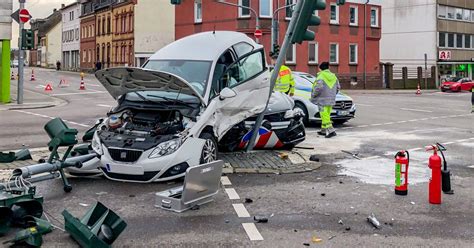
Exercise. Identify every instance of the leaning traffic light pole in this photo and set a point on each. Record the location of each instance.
(297, 32)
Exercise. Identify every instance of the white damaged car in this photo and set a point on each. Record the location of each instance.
(191, 97)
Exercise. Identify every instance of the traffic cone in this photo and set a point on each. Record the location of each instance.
(13, 76)
(63, 83)
(83, 86)
(32, 75)
(418, 90)
(48, 87)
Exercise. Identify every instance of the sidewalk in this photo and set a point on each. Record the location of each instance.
(31, 100)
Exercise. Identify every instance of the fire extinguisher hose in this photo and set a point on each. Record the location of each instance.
(441, 148)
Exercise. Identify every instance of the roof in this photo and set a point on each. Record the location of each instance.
(203, 46)
(70, 5)
(46, 24)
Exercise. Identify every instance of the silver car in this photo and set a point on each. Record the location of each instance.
(343, 111)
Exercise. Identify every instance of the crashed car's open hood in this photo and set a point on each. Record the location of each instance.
(122, 80)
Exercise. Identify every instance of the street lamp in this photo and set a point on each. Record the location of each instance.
(257, 20)
(275, 26)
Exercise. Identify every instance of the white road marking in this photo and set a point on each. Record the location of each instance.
(462, 140)
(448, 143)
(78, 93)
(241, 210)
(50, 117)
(232, 194)
(417, 110)
(93, 85)
(365, 105)
(370, 158)
(363, 126)
(471, 166)
(252, 231)
(389, 123)
(225, 181)
(374, 125)
(104, 105)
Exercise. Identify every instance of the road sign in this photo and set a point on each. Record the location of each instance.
(24, 15)
(258, 33)
(444, 55)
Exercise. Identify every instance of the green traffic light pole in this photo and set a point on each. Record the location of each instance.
(284, 48)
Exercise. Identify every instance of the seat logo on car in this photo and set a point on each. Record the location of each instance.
(123, 155)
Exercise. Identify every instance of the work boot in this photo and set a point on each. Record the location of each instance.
(322, 132)
(331, 134)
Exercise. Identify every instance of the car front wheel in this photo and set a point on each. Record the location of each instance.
(299, 105)
(209, 150)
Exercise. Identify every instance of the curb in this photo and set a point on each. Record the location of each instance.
(24, 106)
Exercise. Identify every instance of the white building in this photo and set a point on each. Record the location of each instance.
(50, 46)
(152, 30)
(71, 36)
(413, 28)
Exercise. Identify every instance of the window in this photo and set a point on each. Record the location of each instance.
(466, 15)
(451, 40)
(458, 14)
(442, 40)
(467, 41)
(353, 54)
(291, 55)
(374, 17)
(246, 68)
(197, 11)
(265, 8)
(242, 11)
(84, 55)
(450, 12)
(334, 53)
(442, 11)
(108, 25)
(312, 53)
(98, 29)
(77, 34)
(334, 14)
(289, 10)
(459, 40)
(353, 16)
(242, 48)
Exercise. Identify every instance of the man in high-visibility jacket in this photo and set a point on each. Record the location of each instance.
(325, 89)
(285, 82)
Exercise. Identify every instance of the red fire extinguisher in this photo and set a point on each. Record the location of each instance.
(401, 172)
(435, 180)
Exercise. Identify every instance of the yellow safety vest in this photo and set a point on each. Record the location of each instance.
(285, 82)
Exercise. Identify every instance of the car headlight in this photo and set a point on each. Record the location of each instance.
(289, 114)
(96, 145)
(166, 148)
(353, 108)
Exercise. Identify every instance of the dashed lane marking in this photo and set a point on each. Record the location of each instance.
(252, 231)
(104, 105)
(50, 117)
(417, 110)
(79, 93)
(232, 194)
(370, 158)
(241, 210)
(225, 181)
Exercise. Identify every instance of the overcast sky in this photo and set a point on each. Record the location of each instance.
(38, 9)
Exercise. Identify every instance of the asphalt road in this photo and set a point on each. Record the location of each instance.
(302, 208)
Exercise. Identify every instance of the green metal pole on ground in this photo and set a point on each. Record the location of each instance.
(5, 71)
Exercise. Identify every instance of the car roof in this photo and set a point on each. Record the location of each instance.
(202, 46)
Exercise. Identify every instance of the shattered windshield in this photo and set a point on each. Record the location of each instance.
(196, 73)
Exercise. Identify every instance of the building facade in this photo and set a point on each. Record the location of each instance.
(152, 31)
(87, 50)
(441, 29)
(103, 15)
(348, 36)
(47, 44)
(123, 33)
(70, 36)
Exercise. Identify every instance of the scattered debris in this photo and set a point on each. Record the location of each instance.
(131, 195)
(348, 228)
(340, 222)
(295, 230)
(412, 203)
(283, 155)
(23, 154)
(333, 236)
(84, 204)
(340, 181)
(372, 220)
(260, 219)
(327, 214)
(314, 158)
(323, 194)
(355, 155)
(306, 244)
(101, 193)
(227, 221)
(195, 207)
(8, 157)
(248, 200)
(315, 239)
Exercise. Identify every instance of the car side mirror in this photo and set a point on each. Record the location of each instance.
(227, 93)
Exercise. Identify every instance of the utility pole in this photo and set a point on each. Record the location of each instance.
(275, 26)
(257, 19)
(19, 98)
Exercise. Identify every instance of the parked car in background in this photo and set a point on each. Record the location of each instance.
(343, 111)
(457, 84)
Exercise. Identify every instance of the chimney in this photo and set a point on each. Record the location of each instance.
(54, 10)
(63, 5)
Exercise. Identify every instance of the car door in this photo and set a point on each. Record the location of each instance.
(466, 84)
(248, 77)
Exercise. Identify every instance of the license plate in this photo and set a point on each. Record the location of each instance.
(125, 169)
(342, 113)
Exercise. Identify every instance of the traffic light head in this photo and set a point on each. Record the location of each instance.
(27, 39)
(306, 19)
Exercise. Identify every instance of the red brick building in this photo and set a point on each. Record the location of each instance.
(340, 38)
(88, 56)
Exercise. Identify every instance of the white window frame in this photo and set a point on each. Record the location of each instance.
(448, 11)
(291, 2)
(331, 21)
(376, 25)
(464, 12)
(456, 12)
(337, 54)
(356, 54)
(442, 9)
(356, 23)
(292, 62)
(316, 53)
(270, 11)
(197, 18)
(241, 9)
